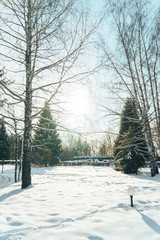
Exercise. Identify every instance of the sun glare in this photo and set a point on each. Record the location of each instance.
(79, 102)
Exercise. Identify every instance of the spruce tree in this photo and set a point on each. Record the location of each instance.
(130, 148)
(5, 149)
(46, 143)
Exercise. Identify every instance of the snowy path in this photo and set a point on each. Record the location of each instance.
(81, 203)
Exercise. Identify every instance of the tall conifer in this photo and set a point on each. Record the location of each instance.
(130, 148)
(47, 143)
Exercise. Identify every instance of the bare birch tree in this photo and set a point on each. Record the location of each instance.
(41, 42)
(135, 61)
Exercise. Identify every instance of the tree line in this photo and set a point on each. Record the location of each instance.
(47, 146)
(129, 148)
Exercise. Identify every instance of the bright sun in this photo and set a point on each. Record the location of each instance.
(79, 102)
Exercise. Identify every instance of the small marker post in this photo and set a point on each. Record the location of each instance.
(131, 192)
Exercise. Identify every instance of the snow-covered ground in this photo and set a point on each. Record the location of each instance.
(79, 203)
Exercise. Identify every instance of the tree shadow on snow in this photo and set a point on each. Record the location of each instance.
(95, 238)
(10, 194)
(146, 175)
(150, 222)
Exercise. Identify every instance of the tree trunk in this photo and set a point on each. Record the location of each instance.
(16, 152)
(151, 149)
(20, 163)
(26, 163)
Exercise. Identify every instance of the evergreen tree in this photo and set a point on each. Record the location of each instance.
(5, 149)
(46, 144)
(130, 148)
